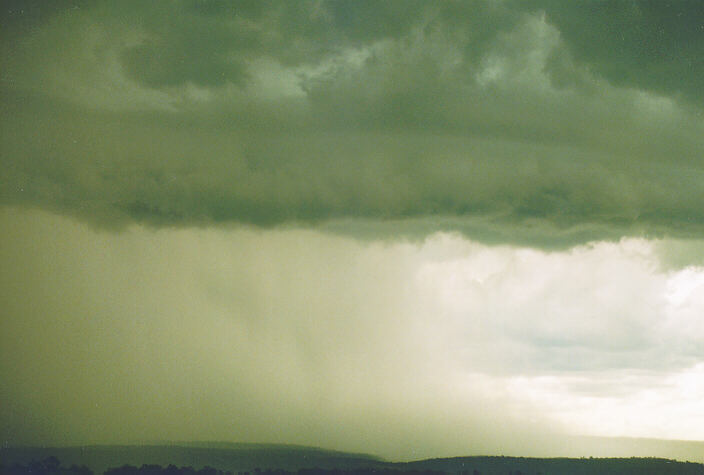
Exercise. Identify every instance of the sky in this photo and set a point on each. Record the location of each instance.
(407, 228)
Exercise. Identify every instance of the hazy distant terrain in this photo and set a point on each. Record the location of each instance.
(261, 457)
(630, 447)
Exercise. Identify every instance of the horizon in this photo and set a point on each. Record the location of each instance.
(690, 455)
(404, 228)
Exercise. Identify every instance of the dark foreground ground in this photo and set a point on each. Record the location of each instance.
(260, 459)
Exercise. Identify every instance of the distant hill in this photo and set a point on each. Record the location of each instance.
(550, 466)
(612, 447)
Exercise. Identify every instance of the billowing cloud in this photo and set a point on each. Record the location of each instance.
(480, 117)
(648, 44)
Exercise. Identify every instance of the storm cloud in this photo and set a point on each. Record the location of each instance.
(410, 228)
(477, 117)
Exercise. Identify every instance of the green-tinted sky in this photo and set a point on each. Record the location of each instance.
(407, 227)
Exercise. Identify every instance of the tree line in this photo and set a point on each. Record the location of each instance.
(52, 466)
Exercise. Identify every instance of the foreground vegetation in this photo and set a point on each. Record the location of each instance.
(290, 460)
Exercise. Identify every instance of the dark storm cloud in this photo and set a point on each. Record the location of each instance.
(649, 44)
(476, 116)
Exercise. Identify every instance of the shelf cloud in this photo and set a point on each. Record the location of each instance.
(485, 118)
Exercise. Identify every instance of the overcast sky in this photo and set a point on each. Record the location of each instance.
(406, 228)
